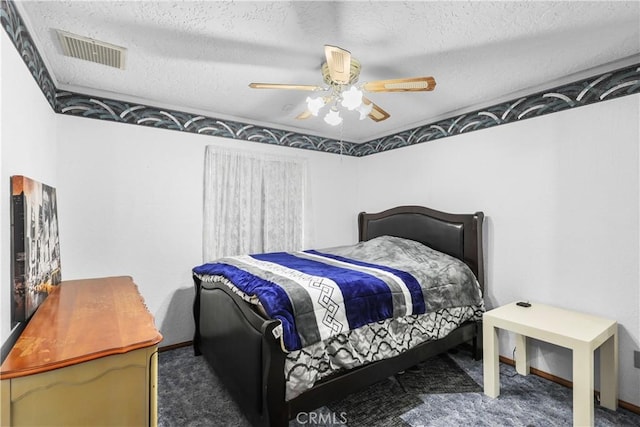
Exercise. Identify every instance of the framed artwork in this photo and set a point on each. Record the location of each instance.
(35, 246)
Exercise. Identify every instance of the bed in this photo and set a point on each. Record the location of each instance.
(247, 350)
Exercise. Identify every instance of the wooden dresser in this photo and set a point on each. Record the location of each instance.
(88, 356)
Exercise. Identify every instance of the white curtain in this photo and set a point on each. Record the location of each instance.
(253, 203)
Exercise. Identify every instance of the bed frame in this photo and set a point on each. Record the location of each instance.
(240, 346)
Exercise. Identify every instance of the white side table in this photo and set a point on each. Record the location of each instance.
(580, 332)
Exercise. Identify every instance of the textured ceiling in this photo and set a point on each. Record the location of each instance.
(199, 57)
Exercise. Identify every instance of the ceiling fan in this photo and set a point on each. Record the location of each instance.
(340, 73)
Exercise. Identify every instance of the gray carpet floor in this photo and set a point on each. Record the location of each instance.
(445, 391)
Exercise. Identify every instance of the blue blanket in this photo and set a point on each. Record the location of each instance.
(317, 295)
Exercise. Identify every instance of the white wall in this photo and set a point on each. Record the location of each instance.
(561, 199)
(130, 203)
(27, 147)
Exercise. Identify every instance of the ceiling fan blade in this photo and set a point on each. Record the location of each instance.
(304, 115)
(413, 84)
(284, 86)
(339, 62)
(377, 114)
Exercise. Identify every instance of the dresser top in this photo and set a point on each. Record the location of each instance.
(82, 320)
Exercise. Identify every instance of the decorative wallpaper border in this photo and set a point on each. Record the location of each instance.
(19, 34)
(119, 111)
(602, 87)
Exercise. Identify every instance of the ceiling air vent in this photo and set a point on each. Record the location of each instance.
(92, 50)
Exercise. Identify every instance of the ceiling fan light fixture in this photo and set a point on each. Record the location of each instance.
(352, 98)
(341, 72)
(364, 110)
(333, 117)
(314, 105)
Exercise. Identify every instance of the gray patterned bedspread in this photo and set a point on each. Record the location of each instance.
(321, 294)
(445, 281)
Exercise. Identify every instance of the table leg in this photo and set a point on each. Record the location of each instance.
(491, 370)
(583, 410)
(609, 372)
(522, 356)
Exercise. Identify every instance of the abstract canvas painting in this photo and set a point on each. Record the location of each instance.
(35, 245)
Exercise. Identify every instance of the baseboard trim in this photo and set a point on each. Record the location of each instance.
(626, 405)
(174, 346)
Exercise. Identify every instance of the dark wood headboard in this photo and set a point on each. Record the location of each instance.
(459, 235)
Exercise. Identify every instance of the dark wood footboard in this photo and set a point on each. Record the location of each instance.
(241, 347)
(196, 317)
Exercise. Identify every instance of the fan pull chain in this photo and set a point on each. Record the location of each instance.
(341, 132)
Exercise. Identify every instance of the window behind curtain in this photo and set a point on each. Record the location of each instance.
(253, 203)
